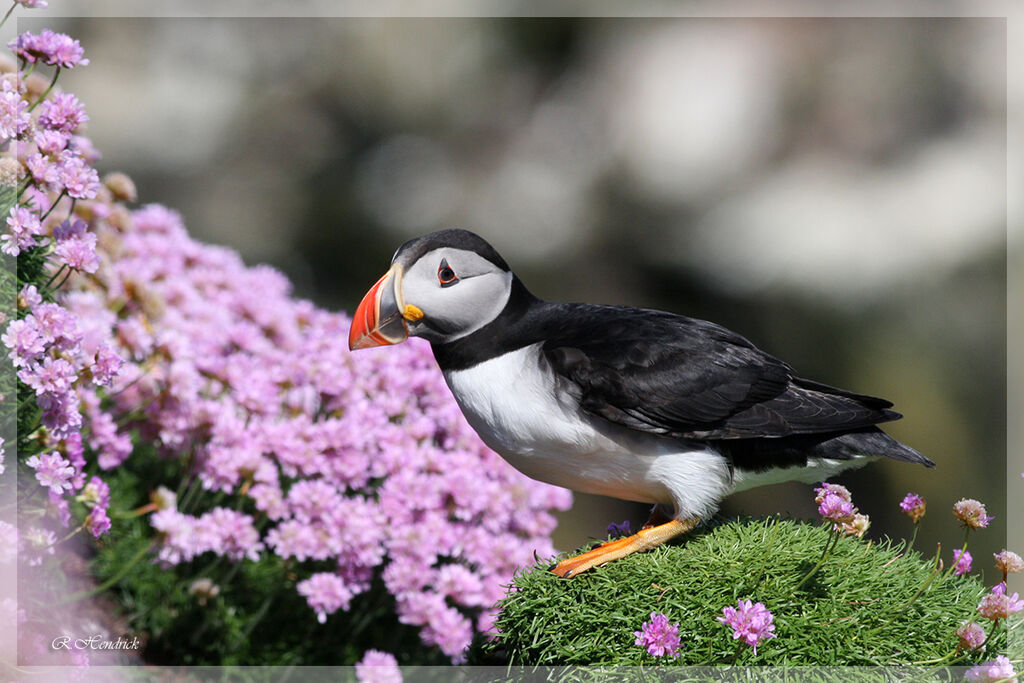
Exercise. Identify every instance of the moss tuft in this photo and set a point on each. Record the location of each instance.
(864, 607)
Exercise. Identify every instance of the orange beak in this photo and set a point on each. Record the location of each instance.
(379, 318)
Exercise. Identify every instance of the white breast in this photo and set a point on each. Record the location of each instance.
(520, 409)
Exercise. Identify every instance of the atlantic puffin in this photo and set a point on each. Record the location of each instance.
(631, 403)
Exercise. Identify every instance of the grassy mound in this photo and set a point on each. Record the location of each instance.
(870, 604)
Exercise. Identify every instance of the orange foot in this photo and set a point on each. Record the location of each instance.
(645, 539)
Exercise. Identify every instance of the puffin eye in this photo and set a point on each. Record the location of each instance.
(445, 275)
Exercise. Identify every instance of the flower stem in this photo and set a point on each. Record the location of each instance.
(929, 580)
(8, 15)
(80, 595)
(952, 565)
(53, 206)
(53, 82)
(54, 276)
(913, 536)
(829, 545)
(61, 283)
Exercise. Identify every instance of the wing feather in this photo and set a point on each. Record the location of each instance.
(668, 374)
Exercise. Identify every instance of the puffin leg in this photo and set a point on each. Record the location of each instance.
(645, 539)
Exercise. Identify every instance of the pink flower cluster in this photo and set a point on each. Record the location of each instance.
(60, 364)
(972, 636)
(363, 460)
(378, 667)
(751, 622)
(659, 636)
(998, 605)
(971, 513)
(834, 503)
(54, 49)
(961, 562)
(999, 669)
(913, 506)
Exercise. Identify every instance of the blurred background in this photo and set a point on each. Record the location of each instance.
(832, 189)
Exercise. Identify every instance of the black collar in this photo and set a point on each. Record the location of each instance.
(519, 324)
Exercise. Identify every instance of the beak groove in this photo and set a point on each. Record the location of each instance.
(378, 319)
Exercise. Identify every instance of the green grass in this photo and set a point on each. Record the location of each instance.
(864, 607)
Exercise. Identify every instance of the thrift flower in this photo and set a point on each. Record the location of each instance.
(203, 590)
(616, 530)
(998, 605)
(52, 471)
(79, 253)
(63, 113)
(1008, 562)
(49, 47)
(750, 621)
(962, 562)
(834, 489)
(834, 508)
(14, 116)
(24, 227)
(858, 526)
(658, 636)
(378, 667)
(36, 544)
(971, 513)
(999, 669)
(972, 636)
(79, 179)
(913, 506)
(325, 593)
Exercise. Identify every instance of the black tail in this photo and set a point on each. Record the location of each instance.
(876, 442)
(796, 450)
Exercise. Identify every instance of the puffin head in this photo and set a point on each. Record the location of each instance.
(441, 287)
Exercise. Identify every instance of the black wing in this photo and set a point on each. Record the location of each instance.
(686, 378)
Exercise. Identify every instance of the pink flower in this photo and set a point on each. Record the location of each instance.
(962, 562)
(52, 471)
(45, 170)
(24, 228)
(972, 636)
(1008, 562)
(63, 112)
(998, 605)
(14, 116)
(750, 621)
(55, 49)
(35, 544)
(835, 509)
(971, 513)
(228, 532)
(659, 636)
(326, 593)
(914, 506)
(51, 142)
(827, 489)
(97, 522)
(378, 667)
(25, 340)
(106, 366)
(858, 526)
(53, 376)
(999, 669)
(32, 4)
(79, 179)
(79, 253)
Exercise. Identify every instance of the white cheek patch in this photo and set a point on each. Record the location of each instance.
(460, 309)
